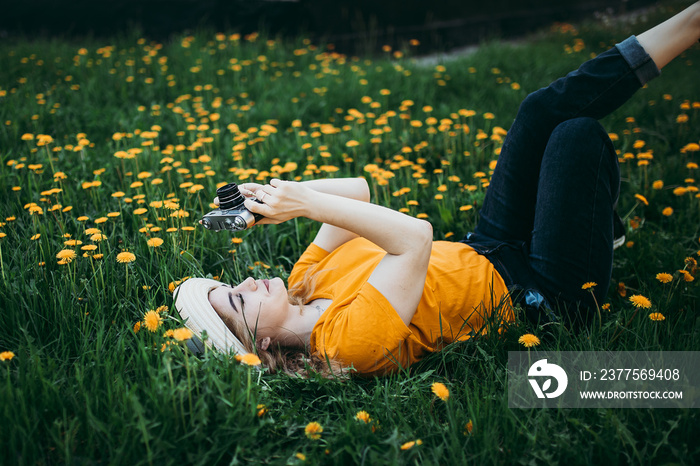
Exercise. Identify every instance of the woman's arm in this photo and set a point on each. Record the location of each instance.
(400, 276)
(667, 40)
(329, 236)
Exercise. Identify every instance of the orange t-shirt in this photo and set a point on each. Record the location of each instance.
(362, 329)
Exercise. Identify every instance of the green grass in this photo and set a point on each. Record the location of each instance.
(85, 388)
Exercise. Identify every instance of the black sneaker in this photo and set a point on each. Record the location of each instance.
(618, 231)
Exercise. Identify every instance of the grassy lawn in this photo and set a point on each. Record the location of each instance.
(118, 146)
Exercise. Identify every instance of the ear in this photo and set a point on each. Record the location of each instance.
(264, 343)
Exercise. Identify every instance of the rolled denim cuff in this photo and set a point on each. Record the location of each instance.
(638, 59)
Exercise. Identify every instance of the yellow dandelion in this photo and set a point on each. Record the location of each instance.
(667, 212)
(529, 340)
(6, 356)
(657, 316)
(300, 456)
(686, 276)
(589, 285)
(440, 390)
(664, 277)
(182, 334)
(125, 257)
(152, 320)
(262, 410)
(180, 213)
(66, 255)
(363, 416)
(154, 242)
(640, 301)
(468, 427)
(36, 210)
(313, 430)
(679, 191)
(137, 327)
(411, 444)
(248, 359)
(641, 199)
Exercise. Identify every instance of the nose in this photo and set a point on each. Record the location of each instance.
(248, 285)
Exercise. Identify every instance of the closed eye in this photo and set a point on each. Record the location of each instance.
(240, 296)
(231, 302)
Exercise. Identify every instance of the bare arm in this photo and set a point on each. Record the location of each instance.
(667, 40)
(329, 236)
(400, 276)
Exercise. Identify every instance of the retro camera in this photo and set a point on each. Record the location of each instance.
(231, 214)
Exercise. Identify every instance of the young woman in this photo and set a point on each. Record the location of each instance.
(375, 293)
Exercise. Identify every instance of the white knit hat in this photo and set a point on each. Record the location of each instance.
(192, 302)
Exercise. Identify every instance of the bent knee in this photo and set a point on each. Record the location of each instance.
(581, 129)
(586, 135)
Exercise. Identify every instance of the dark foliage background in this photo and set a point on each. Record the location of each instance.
(354, 26)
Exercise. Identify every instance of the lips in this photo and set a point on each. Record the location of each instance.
(266, 282)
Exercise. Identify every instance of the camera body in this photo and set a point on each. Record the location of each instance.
(231, 214)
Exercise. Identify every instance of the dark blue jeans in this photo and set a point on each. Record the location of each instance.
(547, 219)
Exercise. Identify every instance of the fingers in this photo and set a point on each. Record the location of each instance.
(264, 193)
(259, 208)
(272, 197)
(268, 198)
(248, 189)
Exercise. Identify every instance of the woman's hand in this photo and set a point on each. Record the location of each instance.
(246, 189)
(277, 201)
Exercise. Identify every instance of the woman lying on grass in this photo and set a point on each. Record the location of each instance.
(374, 292)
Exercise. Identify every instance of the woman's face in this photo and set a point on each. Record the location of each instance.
(261, 304)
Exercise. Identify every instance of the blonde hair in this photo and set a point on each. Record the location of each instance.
(292, 361)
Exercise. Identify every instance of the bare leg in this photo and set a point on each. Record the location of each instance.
(667, 40)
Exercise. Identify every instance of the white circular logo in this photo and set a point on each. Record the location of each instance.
(547, 372)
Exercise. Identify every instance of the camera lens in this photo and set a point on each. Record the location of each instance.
(229, 197)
